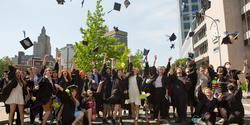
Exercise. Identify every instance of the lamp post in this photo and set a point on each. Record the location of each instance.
(218, 35)
(214, 21)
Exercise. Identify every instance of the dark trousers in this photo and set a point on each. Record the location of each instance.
(33, 115)
(232, 116)
(159, 102)
(180, 102)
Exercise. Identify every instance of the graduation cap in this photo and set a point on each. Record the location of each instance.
(82, 2)
(191, 55)
(116, 29)
(172, 37)
(126, 3)
(191, 34)
(26, 43)
(205, 4)
(172, 46)
(145, 52)
(90, 52)
(117, 6)
(61, 2)
(95, 49)
(85, 43)
(230, 37)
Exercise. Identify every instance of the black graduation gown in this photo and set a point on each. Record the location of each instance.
(179, 95)
(118, 88)
(68, 108)
(63, 83)
(11, 85)
(44, 93)
(233, 105)
(77, 80)
(107, 85)
(233, 75)
(206, 106)
(191, 81)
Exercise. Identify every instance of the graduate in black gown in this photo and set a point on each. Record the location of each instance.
(179, 95)
(233, 111)
(232, 74)
(191, 80)
(119, 89)
(70, 102)
(159, 89)
(207, 107)
(106, 89)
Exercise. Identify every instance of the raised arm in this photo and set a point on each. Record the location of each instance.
(168, 66)
(146, 69)
(129, 64)
(11, 68)
(99, 86)
(58, 61)
(103, 69)
(113, 72)
(45, 59)
(155, 60)
(245, 63)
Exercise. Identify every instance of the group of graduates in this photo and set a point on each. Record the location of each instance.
(79, 97)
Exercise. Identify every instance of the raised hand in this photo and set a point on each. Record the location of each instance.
(101, 82)
(169, 59)
(46, 57)
(59, 54)
(129, 55)
(245, 61)
(155, 57)
(204, 59)
(8, 60)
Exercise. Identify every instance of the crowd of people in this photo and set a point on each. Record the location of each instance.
(75, 97)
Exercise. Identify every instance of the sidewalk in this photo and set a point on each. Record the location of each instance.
(3, 116)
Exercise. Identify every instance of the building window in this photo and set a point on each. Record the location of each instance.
(195, 8)
(185, 1)
(186, 25)
(194, 1)
(186, 17)
(186, 9)
(185, 34)
(201, 49)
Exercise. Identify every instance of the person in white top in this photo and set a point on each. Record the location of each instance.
(15, 97)
(134, 88)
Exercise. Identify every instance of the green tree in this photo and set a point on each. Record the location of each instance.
(179, 63)
(3, 66)
(122, 61)
(85, 57)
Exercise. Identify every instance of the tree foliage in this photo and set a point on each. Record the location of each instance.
(3, 66)
(85, 57)
(95, 32)
(179, 63)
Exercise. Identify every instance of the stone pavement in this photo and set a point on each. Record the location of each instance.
(127, 121)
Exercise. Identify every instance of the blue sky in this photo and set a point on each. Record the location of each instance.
(146, 21)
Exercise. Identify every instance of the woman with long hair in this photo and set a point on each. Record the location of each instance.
(134, 88)
(88, 105)
(70, 103)
(15, 93)
(46, 93)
